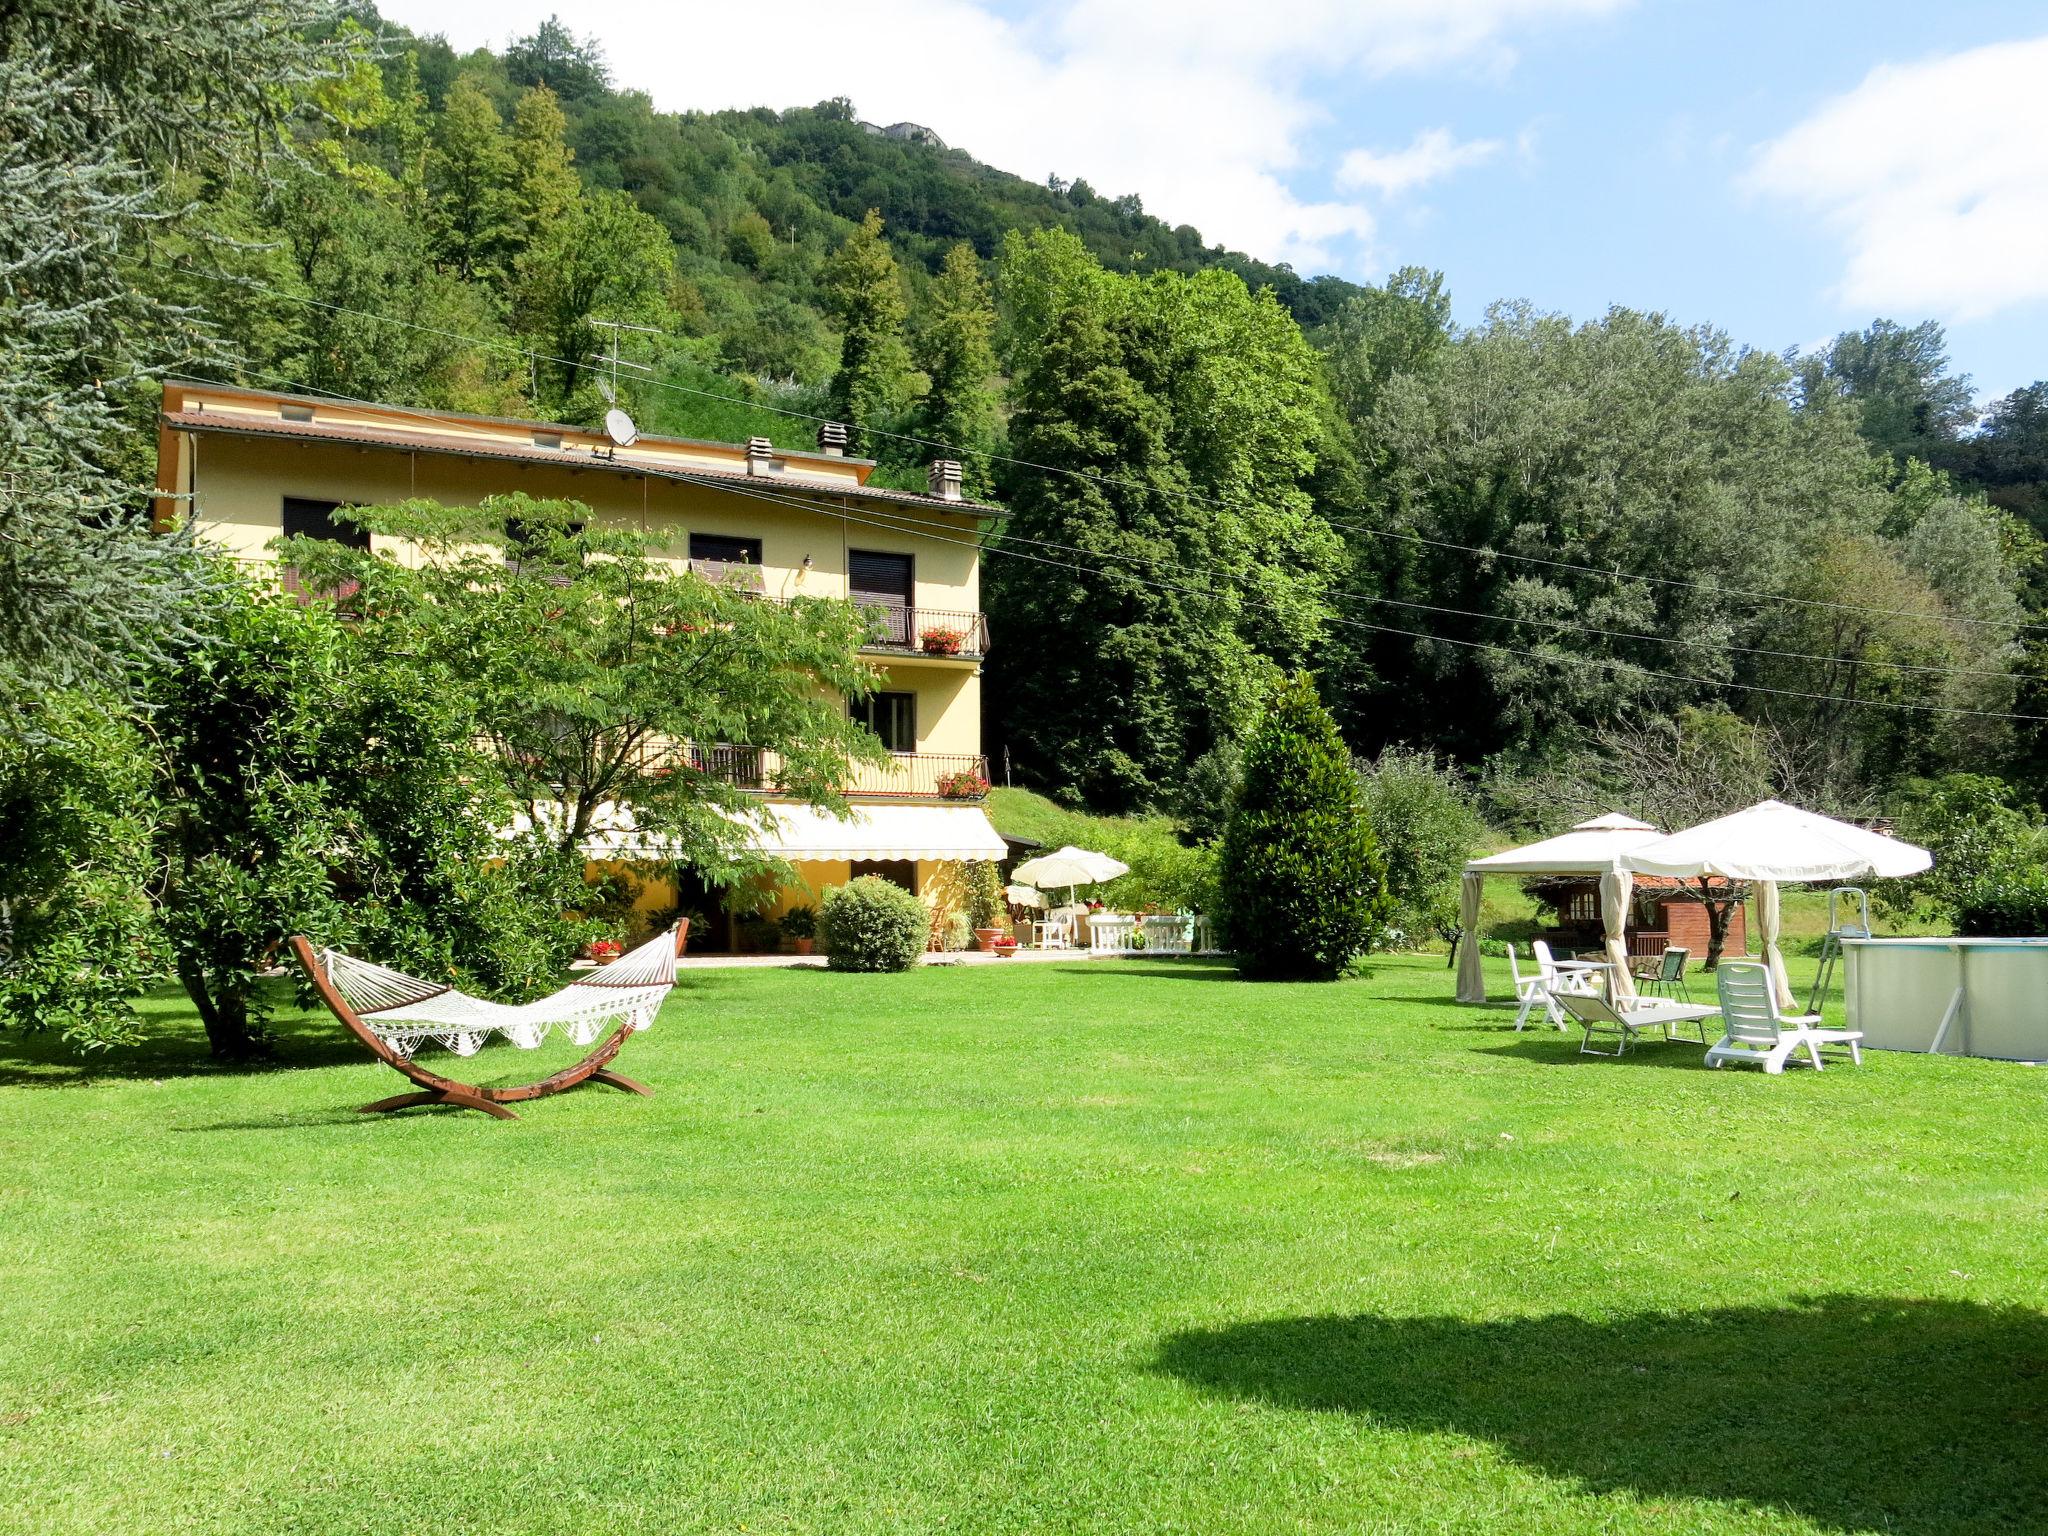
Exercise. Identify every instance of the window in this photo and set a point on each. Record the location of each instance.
(309, 518)
(305, 517)
(725, 549)
(901, 872)
(524, 542)
(892, 717)
(876, 580)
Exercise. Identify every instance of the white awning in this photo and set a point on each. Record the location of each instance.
(799, 833)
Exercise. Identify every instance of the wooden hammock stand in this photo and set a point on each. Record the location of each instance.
(436, 1089)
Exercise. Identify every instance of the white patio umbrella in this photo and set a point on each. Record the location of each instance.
(1023, 896)
(1770, 843)
(1591, 848)
(1070, 866)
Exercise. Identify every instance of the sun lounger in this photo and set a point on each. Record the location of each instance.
(1597, 1017)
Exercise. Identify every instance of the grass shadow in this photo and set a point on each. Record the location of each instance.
(1856, 1412)
(173, 1045)
(1175, 967)
(1554, 1049)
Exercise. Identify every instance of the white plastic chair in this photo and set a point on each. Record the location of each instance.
(1545, 986)
(1754, 1030)
(1055, 932)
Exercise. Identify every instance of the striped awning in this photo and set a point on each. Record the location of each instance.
(800, 834)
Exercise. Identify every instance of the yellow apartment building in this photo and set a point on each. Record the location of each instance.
(250, 466)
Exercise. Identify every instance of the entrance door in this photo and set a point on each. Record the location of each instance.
(882, 581)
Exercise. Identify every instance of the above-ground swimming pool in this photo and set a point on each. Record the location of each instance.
(1964, 997)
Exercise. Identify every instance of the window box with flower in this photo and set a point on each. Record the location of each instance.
(967, 784)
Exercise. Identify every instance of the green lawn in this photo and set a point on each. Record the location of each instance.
(1112, 1246)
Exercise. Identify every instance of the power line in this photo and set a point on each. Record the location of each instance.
(1558, 625)
(882, 521)
(905, 526)
(1714, 589)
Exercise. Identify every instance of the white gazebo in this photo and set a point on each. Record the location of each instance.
(1773, 842)
(1593, 849)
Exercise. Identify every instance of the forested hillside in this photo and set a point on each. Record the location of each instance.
(1489, 542)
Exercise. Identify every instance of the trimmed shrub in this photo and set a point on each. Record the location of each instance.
(1303, 886)
(871, 924)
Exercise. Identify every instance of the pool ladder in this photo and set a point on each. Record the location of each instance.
(1831, 945)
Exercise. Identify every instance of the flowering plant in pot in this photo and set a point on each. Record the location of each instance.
(1006, 945)
(941, 640)
(985, 909)
(605, 951)
(963, 785)
(801, 924)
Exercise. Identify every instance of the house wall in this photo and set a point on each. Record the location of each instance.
(1686, 924)
(237, 488)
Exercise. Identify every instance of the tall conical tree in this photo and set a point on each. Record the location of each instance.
(864, 291)
(1303, 884)
(470, 173)
(544, 181)
(956, 351)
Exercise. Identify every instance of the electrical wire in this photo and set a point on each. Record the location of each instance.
(881, 520)
(1713, 589)
(1381, 600)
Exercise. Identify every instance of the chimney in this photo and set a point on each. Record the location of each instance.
(760, 456)
(943, 479)
(832, 439)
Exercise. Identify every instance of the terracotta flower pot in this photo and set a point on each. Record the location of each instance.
(804, 946)
(985, 938)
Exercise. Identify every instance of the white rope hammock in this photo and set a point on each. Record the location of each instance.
(405, 1011)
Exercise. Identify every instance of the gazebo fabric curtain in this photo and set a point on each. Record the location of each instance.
(1471, 978)
(1767, 920)
(1616, 886)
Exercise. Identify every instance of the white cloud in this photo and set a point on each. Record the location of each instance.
(1935, 174)
(1433, 156)
(1204, 108)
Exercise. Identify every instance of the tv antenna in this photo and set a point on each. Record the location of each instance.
(618, 426)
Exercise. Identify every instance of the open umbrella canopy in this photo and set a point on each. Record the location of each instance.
(1590, 848)
(1023, 896)
(1775, 841)
(1769, 843)
(1070, 866)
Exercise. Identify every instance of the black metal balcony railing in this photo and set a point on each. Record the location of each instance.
(742, 575)
(927, 631)
(905, 775)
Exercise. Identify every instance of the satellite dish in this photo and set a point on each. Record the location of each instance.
(618, 426)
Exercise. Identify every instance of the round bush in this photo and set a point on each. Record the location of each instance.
(870, 924)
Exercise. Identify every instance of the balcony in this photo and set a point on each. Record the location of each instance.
(940, 633)
(961, 776)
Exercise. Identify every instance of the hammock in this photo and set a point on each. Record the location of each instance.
(405, 1011)
(394, 1014)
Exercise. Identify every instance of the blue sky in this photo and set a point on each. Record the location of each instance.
(1783, 170)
